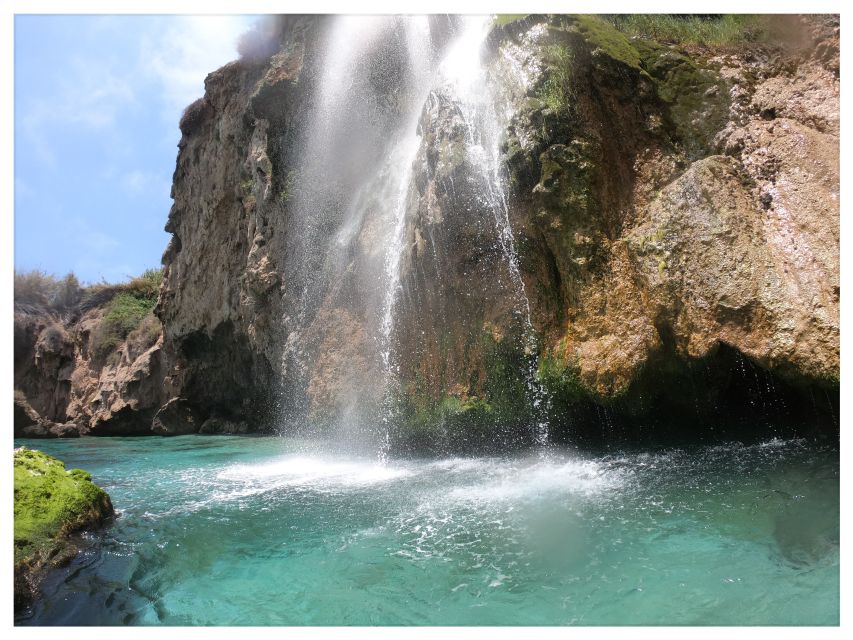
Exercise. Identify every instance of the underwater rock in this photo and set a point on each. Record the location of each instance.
(176, 417)
(220, 425)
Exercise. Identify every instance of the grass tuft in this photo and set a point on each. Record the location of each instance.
(712, 30)
(555, 92)
(503, 19)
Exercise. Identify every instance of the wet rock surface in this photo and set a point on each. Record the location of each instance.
(680, 224)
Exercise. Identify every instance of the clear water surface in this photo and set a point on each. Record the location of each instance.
(218, 530)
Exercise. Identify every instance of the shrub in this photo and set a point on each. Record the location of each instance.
(555, 91)
(126, 311)
(97, 295)
(68, 292)
(147, 285)
(35, 288)
(41, 290)
(124, 314)
(144, 336)
(130, 307)
(193, 116)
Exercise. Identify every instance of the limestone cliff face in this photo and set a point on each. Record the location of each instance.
(221, 301)
(674, 213)
(682, 208)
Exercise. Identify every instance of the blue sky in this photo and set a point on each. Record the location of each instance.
(97, 104)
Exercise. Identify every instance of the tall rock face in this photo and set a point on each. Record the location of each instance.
(634, 237)
(674, 213)
(221, 301)
(681, 206)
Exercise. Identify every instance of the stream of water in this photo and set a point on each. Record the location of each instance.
(356, 189)
(269, 531)
(486, 119)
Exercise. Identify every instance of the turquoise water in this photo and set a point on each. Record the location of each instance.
(263, 531)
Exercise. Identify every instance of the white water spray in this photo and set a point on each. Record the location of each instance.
(350, 216)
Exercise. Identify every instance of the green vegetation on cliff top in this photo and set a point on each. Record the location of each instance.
(714, 30)
(127, 305)
(601, 35)
(127, 310)
(51, 502)
(503, 19)
(695, 29)
(39, 290)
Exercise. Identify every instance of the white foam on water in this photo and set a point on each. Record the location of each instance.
(464, 465)
(584, 478)
(314, 472)
(240, 481)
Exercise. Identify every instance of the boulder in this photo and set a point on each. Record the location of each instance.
(50, 504)
(176, 417)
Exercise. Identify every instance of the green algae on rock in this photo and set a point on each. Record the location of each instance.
(50, 503)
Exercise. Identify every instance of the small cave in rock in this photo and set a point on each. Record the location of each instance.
(225, 376)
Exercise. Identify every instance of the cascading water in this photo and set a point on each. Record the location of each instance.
(356, 192)
(467, 79)
(401, 270)
(355, 167)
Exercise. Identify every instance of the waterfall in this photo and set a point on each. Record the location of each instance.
(354, 163)
(347, 234)
(469, 84)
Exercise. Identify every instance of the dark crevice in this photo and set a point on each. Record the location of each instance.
(723, 397)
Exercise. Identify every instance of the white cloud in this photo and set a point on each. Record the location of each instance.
(90, 96)
(180, 58)
(94, 92)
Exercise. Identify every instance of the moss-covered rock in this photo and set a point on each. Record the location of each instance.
(696, 97)
(560, 378)
(50, 504)
(605, 39)
(491, 411)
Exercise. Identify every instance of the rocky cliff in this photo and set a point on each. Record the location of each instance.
(673, 258)
(75, 375)
(681, 211)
